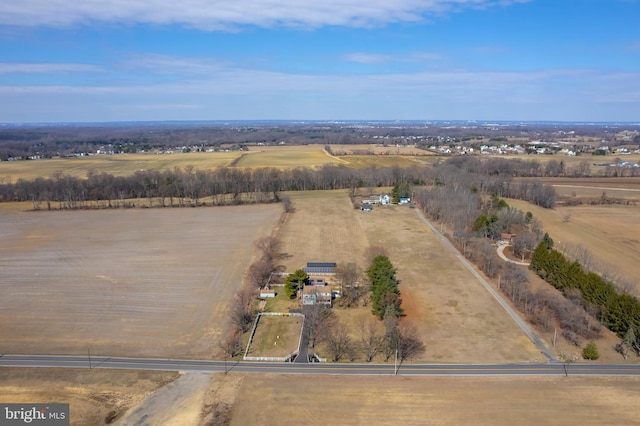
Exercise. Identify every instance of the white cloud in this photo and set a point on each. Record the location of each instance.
(45, 68)
(237, 81)
(228, 14)
(165, 64)
(367, 58)
(379, 58)
(237, 93)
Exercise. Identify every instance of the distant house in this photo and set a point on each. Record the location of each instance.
(507, 238)
(317, 295)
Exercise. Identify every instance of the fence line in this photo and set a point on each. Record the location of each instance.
(273, 358)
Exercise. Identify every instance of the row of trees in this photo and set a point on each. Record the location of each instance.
(618, 312)
(589, 263)
(545, 309)
(242, 309)
(397, 337)
(188, 186)
(492, 217)
(224, 185)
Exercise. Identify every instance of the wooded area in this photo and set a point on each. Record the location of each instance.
(464, 180)
(618, 312)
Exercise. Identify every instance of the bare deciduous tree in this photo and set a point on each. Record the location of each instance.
(339, 344)
(318, 321)
(371, 338)
(259, 272)
(524, 243)
(288, 205)
(241, 311)
(270, 248)
(351, 289)
(232, 343)
(409, 344)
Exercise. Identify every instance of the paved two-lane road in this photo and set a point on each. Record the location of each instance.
(551, 369)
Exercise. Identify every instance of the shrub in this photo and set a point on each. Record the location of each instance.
(590, 351)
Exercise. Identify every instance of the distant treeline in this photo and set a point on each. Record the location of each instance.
(48, 141)
(189, 186)
(618, 312)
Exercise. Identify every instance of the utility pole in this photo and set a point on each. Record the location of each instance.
(395, 364)
(89, 353)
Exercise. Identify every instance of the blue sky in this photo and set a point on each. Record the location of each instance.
(113, 60)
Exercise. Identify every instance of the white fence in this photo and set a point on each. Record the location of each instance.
(273, 358)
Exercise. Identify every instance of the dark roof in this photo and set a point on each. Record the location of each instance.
(321, 264)
(320, 267)
(319, 270)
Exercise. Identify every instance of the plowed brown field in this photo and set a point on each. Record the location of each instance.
(143, 282)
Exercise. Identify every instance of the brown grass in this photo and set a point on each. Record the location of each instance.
(611, 233)
(457, 319)
(118, 165)
(149, 282)
(290, 400)
(322, 229)
(91, 394)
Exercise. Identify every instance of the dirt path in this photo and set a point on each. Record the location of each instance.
(178, 403)
(523, 326)
(608, 188)
(506, 259)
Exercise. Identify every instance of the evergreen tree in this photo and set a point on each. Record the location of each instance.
(295, 282)
(591, 351)
(384, 286)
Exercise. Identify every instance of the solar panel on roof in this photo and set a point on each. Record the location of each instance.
(319, 269)
(321, 264)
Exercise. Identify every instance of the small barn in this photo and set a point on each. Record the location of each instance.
(267, 293)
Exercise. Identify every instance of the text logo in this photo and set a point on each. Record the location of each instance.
(55, 414)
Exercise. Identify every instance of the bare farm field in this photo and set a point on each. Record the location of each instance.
(290, 400)
(458, 320)
(593, 188)
(147, 282)
(93, 395)
(117, 165)
(286, 157)
(322, 229)
(611, 233)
